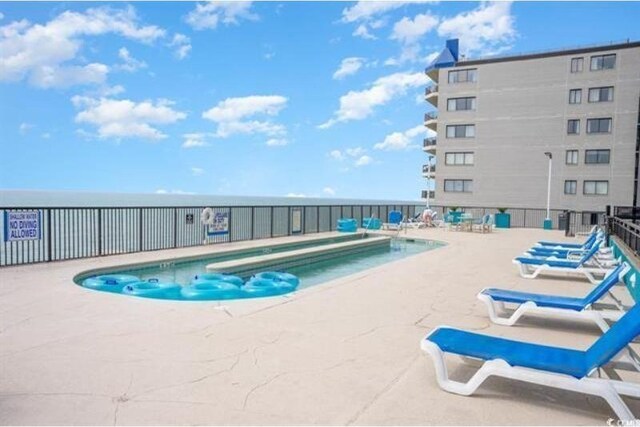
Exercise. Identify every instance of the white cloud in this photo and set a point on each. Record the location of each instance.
(354, 152)
(129, 63)
(192, 140)
(328, 190)
(1, 15)
(363, 160)
(401, 140)
(232, 115)
(41, 52)
(488, 29)
(209, 15)
(46, 135)
(123, 118)
(410, 31)
(355, 155)
(24, 128)
(348, 66)
(300, 195)
(197, 171)
(336, 154)
(362, 31)
(365, 10)
(357, 105)
(367, 14)
(181, 45)
(277, 142)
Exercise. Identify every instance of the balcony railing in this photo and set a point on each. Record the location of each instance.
(429, 142)
(425, 168)
(433, 115)
(431, 194)
(430, 89)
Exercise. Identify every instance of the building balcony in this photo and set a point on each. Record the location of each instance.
(431, 95)
(428, 171)
(432, 73)
(428, 194)
(431, 120)
(429, 145)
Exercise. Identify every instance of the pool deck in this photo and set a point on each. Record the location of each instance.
(344, 352)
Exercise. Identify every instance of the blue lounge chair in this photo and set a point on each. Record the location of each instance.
(557, 306)
(588, 265)
(592, 236)
(557, 367)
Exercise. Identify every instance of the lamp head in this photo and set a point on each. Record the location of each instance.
(548, 154)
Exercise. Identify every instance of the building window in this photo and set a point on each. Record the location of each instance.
(599, 125)
(597, 156)
(458, 185)
(572, 157)
(596, 188)
(458, 159)
(461, 131)
(460, 104)
(573, 127)
(592, 218)
(570, 187)
(601, 94)
(575, 96)
(603, 62)
(577, 64)
(463, 76)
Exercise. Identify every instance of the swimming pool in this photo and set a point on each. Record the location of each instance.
(314, 272)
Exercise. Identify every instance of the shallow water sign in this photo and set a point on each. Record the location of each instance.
(25, 225)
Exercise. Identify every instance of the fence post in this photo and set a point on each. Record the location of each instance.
(271, 221)
(567, 223)
(608, 223)
(140, 229)
(175, 227)
(288, 220)
(49, 235)
(99, 232)
(253, 218)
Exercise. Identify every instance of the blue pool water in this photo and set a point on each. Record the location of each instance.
(314, 273)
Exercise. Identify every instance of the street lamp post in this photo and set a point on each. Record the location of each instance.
(428, 181)
(548, 225)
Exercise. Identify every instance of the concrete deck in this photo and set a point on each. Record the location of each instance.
(344, 352)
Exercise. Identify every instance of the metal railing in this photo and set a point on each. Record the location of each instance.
(430, 116)
(83, 232)
(430, 89)
(428, 168)
(429, 142)
(625, 225)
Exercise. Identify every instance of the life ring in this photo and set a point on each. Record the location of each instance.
(153, 289)
(208, 277)
(109, 282)
(211, 290)
(257, 287)
(279, 277)
(207, 215)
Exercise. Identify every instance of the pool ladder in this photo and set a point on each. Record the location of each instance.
(364, 233)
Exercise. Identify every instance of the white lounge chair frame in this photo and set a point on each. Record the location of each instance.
(530, 271)
(607, 388)
(598, 316)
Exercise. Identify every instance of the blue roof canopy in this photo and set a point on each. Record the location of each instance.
(447, 58)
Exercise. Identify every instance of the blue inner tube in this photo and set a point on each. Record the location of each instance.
(262, 288)
(153, 289)
(211, 290)
(109, 282)
(279, 277)
(217, 277)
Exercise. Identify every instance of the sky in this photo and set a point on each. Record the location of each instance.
(316, 99)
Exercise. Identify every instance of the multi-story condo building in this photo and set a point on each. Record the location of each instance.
(498, 117)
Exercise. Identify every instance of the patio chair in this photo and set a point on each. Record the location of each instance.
(484, 224)
(588, 265)
(558, 367)
(395, 221)
(557, 306)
